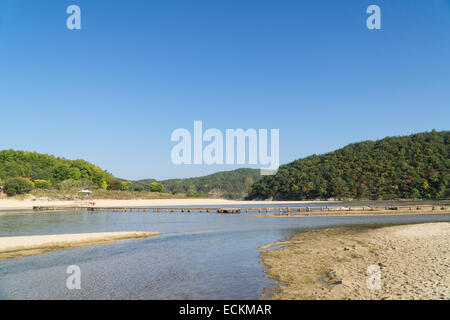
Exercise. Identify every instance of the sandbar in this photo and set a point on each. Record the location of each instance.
(15, 247)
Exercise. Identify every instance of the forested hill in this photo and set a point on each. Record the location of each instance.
(229, 184)
(49, 170)
(22, 171)
(409, 167)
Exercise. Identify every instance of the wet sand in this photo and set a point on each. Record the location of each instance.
(15, 247)
(338, 263)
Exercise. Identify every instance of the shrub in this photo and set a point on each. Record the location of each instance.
(119, 185)
(42, 184)
(104, 185)
(114, 185)
(192, 191)
(125, 186)
(87, 184)
(68, 184)
(157, 187)
(17, 185)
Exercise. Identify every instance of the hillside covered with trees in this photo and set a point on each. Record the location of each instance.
(228, 184)
(21, 171)
(408, 167)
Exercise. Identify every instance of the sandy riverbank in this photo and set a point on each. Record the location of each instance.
(15, 247)
(440, 210)
(13, 204)
(414, 263)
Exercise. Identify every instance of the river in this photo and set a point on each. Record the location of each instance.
(185, 263)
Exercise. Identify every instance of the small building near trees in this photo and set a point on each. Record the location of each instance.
(85, 193)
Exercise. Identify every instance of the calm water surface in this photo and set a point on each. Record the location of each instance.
(182, 264)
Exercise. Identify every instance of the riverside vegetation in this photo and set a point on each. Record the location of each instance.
(44, 175)
(408, 167)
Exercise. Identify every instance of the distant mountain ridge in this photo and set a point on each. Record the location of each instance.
(229, 184)
(407, 167)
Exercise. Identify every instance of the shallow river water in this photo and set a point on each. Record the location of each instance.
(181, 264)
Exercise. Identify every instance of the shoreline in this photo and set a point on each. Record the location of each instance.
(17, 247)
(357, 214)
(332, 263)
(28, 204)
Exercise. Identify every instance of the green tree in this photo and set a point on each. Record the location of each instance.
(17, 185)
(157, 187)
(103, 185)
(125, 185)
(192, 191)
(42, 184)
(65, 172)
(68, 184)
(116, 184)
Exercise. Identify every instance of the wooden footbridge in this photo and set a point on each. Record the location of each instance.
(304, 211)
(138, 209)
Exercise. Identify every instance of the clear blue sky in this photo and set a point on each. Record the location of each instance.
(113, 92)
